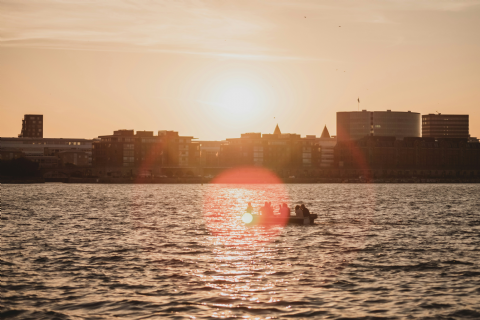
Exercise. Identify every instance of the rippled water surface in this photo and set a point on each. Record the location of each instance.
(180, 251)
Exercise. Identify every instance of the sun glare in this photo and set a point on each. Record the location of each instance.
(238, 98)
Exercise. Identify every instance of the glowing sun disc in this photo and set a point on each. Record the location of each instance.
(247, 218)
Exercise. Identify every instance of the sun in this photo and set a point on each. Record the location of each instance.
(238, 98)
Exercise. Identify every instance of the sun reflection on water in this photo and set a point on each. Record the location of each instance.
(241, 258)
(226, 201)
(237, 269)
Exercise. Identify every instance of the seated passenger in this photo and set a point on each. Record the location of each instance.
(268, 210)
(285, 210)
(306, 214)
(249, 208)
(298, 211)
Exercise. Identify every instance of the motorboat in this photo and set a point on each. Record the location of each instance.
(256, 219)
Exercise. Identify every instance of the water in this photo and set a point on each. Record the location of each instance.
(158, 251)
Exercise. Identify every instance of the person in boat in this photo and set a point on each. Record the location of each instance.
(249, 208)
(306, 214)
(284, 210)
(267, 209)
(264, 209)
(298, 211)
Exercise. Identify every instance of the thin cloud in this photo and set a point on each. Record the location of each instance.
(433, 5)
(227, 29)
(349, 5)
(177, 24)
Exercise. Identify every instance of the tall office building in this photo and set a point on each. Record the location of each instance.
(445, 126)
(32, 126)
(353, 125)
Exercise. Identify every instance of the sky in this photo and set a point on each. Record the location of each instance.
(215, 69)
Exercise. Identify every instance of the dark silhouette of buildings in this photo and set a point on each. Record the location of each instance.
(409, 153)
(127, 153)
(276, 151)
(325, 133)
(367, 141)
(74, 157)
(32, 126)
(445, 126)
(45, 161)
(353, 125)
(326, 146)
(11, 148)
(209, 153)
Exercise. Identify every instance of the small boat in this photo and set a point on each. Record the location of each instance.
(254, 219)
(297, 220)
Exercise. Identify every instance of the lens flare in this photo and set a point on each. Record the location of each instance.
(226, 202)
(247, 218)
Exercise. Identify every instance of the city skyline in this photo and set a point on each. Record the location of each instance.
(253, 159)
(215, 71)
(387, 129)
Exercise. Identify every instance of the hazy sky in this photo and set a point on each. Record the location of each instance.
(216, 69)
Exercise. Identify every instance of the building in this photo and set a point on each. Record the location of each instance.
(445, 126)
(209, 153)
(32, 126)
(126, 153)
(74, 157)
(353, 125)
(45, 161)
(326, 145)
(32, 145)
(10, 153)
(278, 151)
(370, 153)
(46, 146)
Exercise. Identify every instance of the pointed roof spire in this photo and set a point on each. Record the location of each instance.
(325, 133)
(277, 130)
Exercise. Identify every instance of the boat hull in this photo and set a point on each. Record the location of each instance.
(257, 219)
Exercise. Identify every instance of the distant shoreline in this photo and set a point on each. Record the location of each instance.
(208, 181)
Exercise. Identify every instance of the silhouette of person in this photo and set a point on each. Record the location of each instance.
(285, 210)
(267, 209)
(306, 214)
(298, 211)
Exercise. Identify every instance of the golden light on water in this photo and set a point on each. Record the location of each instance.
(226, 201)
